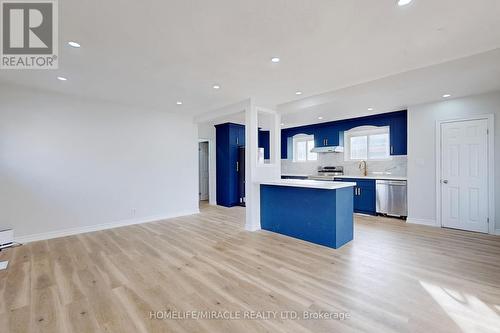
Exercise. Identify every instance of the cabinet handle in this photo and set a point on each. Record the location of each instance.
(359, 190)
(237, 141)
(237, 166)
(326, 140)
(392, 150)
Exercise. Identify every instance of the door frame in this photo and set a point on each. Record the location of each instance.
(211, 171)
(491, 167)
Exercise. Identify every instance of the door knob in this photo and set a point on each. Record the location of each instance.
(445, 181)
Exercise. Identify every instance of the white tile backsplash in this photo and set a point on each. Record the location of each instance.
(396, 166)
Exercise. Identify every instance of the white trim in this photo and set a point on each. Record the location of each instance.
(367, 131)
(275, 155)
(491, 166)
(97, 227)
(252, 228)
(427, 222)
(303, 138)
(212, 191)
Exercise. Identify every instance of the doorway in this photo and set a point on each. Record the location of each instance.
(203, 168)
(464, 170)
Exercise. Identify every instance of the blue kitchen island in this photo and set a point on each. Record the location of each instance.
(315, 211)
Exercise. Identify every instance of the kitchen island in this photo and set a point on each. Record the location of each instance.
(315, 211)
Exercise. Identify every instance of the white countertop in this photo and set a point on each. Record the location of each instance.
(387, 177)
(317, 184)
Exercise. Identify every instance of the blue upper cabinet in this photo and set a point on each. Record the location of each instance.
(236, 134)
(327, 135)
(229, 137)
(241, 135)
(399, 134)
(320, 136)
(284, 144)
(332, 133)
(264, 139)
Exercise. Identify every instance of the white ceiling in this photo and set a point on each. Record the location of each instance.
(467, 76)
(152, 53)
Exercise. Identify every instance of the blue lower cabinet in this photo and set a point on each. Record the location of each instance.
(365, 201)
(364, 195)
(319, 216)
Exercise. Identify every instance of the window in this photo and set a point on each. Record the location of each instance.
(367, 143)
(302, 146)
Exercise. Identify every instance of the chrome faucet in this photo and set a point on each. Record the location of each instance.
(363, 167)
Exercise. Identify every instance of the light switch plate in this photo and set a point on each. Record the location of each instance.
(3, 265)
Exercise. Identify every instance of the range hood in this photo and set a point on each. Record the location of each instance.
(329, 149)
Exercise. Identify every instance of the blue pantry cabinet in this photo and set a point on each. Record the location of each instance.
(332, 133)
(364, 195)
(229, 137)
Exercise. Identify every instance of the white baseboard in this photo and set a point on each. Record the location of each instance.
(252, 227)
(97, 227)
(427, 222)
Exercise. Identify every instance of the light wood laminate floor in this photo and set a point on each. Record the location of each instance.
(393, 277)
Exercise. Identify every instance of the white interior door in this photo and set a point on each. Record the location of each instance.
(203, 169)
(464, 175)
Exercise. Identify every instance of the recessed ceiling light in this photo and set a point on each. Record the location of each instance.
(179, 103)
(298, 93)
(320, 118)
(275, 59)
(404, 2)
(216, 86)
(62, 78)
(74, 44)
(446, 95)
(370, 109)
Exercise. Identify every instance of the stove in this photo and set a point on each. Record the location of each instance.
(328, 173)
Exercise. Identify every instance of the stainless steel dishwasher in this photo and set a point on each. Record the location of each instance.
(392, 197)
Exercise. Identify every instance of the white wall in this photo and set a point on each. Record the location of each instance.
(421, 150)
(397, 165)
(255, 172)
(69, 165)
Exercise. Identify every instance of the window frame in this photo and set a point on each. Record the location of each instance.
(303, 138)
(366, 131)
